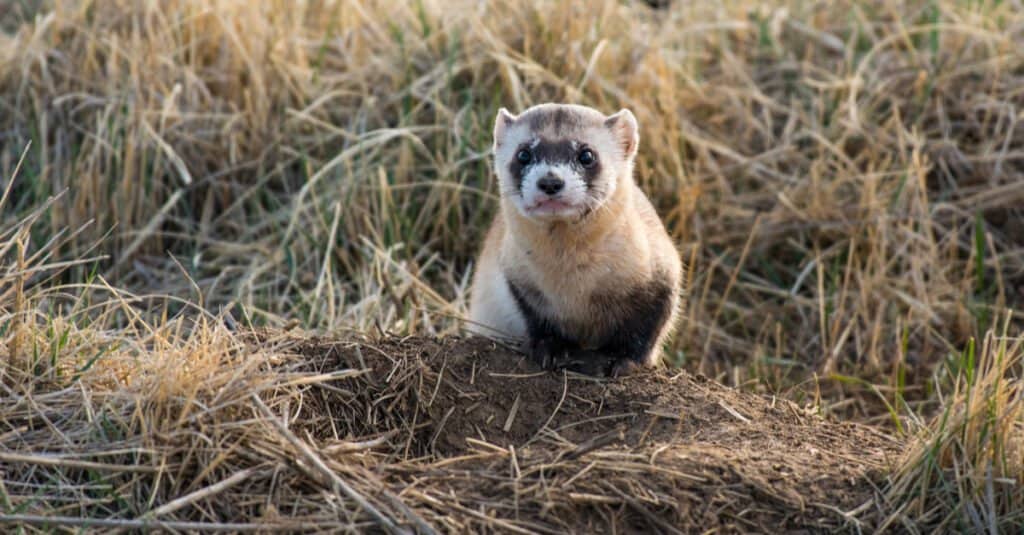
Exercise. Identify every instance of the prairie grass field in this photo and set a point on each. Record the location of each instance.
(204, 205)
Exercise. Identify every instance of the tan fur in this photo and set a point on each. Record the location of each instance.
(621, 244)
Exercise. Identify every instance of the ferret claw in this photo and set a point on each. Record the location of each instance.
(545, 354)
(624, 367)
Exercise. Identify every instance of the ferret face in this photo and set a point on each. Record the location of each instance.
(560, 162)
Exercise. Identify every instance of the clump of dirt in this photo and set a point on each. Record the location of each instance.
(476, 431)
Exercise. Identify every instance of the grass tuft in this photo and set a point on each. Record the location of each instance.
(964, 472)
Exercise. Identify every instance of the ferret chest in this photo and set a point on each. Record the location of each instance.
(579, 297)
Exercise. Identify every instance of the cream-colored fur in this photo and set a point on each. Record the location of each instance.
(619, 244)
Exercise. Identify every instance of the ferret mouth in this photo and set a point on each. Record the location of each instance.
(551, 207)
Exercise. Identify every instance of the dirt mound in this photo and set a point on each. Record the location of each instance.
(504, 445)
(277, 431)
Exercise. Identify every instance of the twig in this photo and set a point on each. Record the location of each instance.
(505, 525)
(587, 497)
(849, 517)
(417, 519)
(206, 492)
(638, 507)
(49, 460)
(440, 378)
(597, 442)
(511, 415)
(440, 427)
(349, 447)
(565, 391)
(734, 412)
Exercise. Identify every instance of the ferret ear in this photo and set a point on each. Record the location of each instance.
(501, 123)
(623, 125)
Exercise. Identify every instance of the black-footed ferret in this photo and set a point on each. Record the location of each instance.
(577, 264)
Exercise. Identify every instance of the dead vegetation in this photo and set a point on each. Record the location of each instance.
(290, 432)
(845, 181)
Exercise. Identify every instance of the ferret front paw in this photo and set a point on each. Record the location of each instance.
(624, 367)
(589, 362)
(548, 353)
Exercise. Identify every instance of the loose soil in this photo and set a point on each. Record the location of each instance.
(500, 445)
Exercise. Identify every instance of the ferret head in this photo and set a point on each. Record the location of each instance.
(561, 162)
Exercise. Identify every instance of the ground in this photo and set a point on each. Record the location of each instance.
(650, 452)
(288, 431)
(295, 431)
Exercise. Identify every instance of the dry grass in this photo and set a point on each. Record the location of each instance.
(845, 181)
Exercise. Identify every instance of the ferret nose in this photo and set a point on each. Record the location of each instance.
(551, 184)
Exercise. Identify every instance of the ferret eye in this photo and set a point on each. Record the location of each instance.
(587, 158)
(524, 156)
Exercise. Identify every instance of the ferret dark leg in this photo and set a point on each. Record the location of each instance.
(644, 312)
(547, 345)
